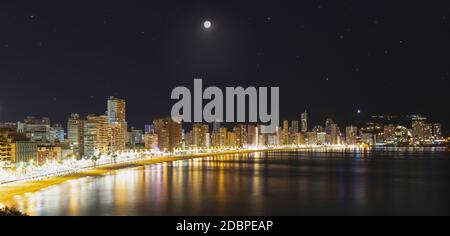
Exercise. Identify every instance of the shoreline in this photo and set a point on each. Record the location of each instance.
(10, 190)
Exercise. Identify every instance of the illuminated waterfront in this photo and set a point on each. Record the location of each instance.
(270, 183)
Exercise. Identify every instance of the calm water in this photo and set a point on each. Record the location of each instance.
(277, 183)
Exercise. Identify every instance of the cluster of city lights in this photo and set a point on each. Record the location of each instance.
(32, 171)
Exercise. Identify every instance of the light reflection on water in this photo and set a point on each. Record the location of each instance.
(278, 183)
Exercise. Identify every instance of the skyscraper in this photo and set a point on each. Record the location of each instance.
(285, 133)
(252, 135)
(312, 138)
(38, 130)
(136, 137)
(98, 127)
(117, 120)
(241, 135)
(304, 119)
(151, 141)
(57, 133)
(223, 137)
(199, 135)
(75, 134)
(293, 131)
(418, 128)
(331, 130)
(216, 127)
(169, 133)
(231, 139)
(294, 127)
(437, 130)
(16, 147)
(350, 134)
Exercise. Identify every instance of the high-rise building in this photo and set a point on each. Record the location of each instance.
(36, 129)
(332, 132)
(367, 138)
(75, 134)
(278, 137)
(437, 130)
(427, 131)
(388, 133)
(215, 139)
(272, 139)
(188, 139)
(216, 127)
(16, 148)
(252, 135)
(293, 131)
(312, 138)
(151, 141)
(418, 129)
(294, 127)
(169, 133)
(223, 136)
(97, 138)
(215, 134)
(231, 139)
(304, 120)
(117, 120)
(299, 139)
(263, 137)
(149, 129)
(136, 137)
(351, 133)
(241, 135)
(285, 133)
(57, 133)
(199, 135)
(321, 138)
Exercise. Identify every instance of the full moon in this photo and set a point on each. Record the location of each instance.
(207, 24)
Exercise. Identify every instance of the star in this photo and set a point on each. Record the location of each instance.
(32, 18)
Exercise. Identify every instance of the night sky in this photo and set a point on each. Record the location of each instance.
(329, 57)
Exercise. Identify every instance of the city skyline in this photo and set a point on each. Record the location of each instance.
(251, 108)
(338, 58)
(36, 141)
(303, 119)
